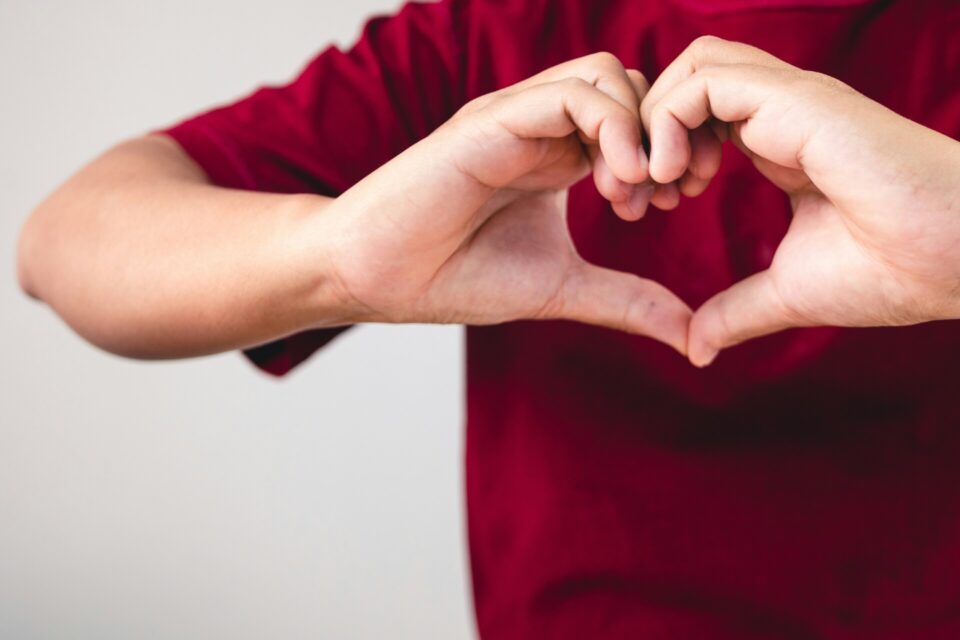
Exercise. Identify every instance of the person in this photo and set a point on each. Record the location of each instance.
(804, 485)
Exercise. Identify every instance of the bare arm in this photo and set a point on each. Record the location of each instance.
(143, 257)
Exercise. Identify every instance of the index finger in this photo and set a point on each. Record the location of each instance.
(558, 109)
(703, 52)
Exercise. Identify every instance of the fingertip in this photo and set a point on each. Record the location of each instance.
(624, 212)
(635, 206)
(702, 357)
(706, 154)
(681, 342)
(749, 309)
(609, 186)
(666, 197)
(670, 150)
(706, 329)
(640, 199)
(701, 352)
(639, 82)
(624, 152)
(692, 186)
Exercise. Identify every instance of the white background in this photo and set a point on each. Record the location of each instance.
(201, 499)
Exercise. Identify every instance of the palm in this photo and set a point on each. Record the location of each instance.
(469, 253)
(850, 257)
(823, 274)
(515, 263)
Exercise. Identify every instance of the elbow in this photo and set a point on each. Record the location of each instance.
(40, 272)
(28, 255)
(38, 247)
(47, 270)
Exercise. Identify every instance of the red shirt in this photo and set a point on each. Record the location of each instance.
(806, 485)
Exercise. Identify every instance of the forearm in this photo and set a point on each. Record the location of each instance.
(143, 257)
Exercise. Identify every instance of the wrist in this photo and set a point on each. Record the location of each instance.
(325, 299)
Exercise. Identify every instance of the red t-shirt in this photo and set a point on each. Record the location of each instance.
(806, 485)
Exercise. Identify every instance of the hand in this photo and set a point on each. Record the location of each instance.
(469, 225)
(875, 237)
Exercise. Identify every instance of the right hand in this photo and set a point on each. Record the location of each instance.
(875, 234)
(469, 225)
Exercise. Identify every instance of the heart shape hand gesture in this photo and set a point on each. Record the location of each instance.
(469, 225)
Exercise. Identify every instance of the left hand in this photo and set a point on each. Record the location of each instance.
(469, 225)
(875, 237)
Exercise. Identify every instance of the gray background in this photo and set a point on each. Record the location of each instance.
(201, 499)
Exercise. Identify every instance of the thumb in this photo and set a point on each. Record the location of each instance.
(625, 302)
(749, 309)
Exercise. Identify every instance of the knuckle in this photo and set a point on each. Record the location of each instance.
(605, 60)
(705, 43)
(467, 109)
(477, 104)
(658, 111)
(825, 81)
(575, 83)
(637, 76)
(708, 73)
(707, 48)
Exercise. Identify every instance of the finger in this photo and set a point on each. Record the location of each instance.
(749, 309)
(640, 84)
(609, 186)
(625, 302)
(730, 93)
(640, 88)
(557, 109)
(703, 52)
(606, 72)
(629, 201)
(603, 70)
(614, 80)
(626, 86)
(666, 197)
(692, 186)
(706, 153)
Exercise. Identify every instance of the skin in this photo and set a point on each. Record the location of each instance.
(488, 242)
(875, 235)
(144, 257)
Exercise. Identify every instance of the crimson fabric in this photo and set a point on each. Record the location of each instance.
(806, 485)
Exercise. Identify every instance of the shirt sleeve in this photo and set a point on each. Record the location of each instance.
(344, 115)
